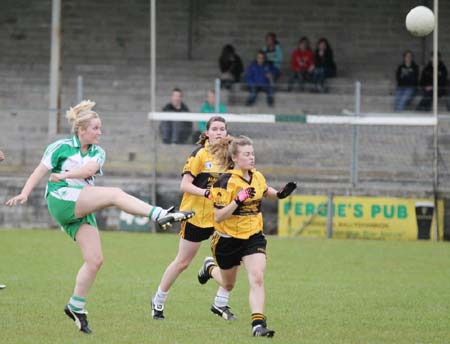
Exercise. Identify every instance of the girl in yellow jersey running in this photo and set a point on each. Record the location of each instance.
(199, 173)
(238, 222)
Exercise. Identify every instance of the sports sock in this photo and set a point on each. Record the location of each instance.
(160, 297)
(157, 212)
(258, 319)
(77, 303)
(221, 299)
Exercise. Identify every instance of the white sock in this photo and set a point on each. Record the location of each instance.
(157, 212)
(160, 297)
(221, 299)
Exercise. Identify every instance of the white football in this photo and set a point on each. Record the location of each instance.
(420, 21)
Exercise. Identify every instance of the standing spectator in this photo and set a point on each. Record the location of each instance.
(325, 67)
(407, 76)
(302, 64)
(209, 106)
(426, 83)
(273, 52)
(231, 66)
(175, 132)
(260, 77)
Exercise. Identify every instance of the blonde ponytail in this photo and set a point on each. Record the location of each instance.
(224, 149)
(80, 115)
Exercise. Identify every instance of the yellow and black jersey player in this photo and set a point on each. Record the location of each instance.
(238, 223)
(199, 173)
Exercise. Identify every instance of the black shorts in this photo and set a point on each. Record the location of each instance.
(228, 252)
(193, 233)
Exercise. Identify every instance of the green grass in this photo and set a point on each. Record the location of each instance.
(318, 291)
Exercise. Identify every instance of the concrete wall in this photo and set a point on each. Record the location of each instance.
(368, 37)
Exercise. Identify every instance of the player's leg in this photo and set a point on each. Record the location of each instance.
(94, 198)
(209, 270)
(186, 252)
(227, 278)
(255, 264)
(226, 254)
(88, 239)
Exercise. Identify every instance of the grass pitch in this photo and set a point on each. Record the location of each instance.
(317, 291)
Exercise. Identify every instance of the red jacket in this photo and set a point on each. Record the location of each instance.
(301, 60)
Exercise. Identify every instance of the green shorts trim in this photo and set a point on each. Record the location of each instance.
(64, 214)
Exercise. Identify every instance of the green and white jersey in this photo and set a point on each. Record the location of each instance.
(65, 155)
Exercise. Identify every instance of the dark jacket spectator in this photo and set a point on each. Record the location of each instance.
(231, 66)
(323, 58)
(175, 132)
(426, 84)
(324, 65)
(407, 77)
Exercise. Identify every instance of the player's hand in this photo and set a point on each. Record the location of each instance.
(286, 190)
(244, 194)
(207, 194)
(19, 198)
(56, 177)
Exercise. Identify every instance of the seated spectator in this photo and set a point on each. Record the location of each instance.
(260, 77)
(407, 76)
(231, 66)
(325, 67)
(302, 64)
(175, 132)
(209, 106)
(273, 52)
(426, 83)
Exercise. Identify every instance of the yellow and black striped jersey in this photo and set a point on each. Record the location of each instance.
(201, 166)
(247, 219)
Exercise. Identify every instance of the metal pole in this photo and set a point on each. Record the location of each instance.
(355, 135)
(330, 216)
(79, 89)
(153, 99)
(55, 70)
(192, 5)
(217, 92)
(435, 112)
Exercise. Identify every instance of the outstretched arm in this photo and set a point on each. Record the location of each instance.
(284, 192)
(39, 172)
(271, 193)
